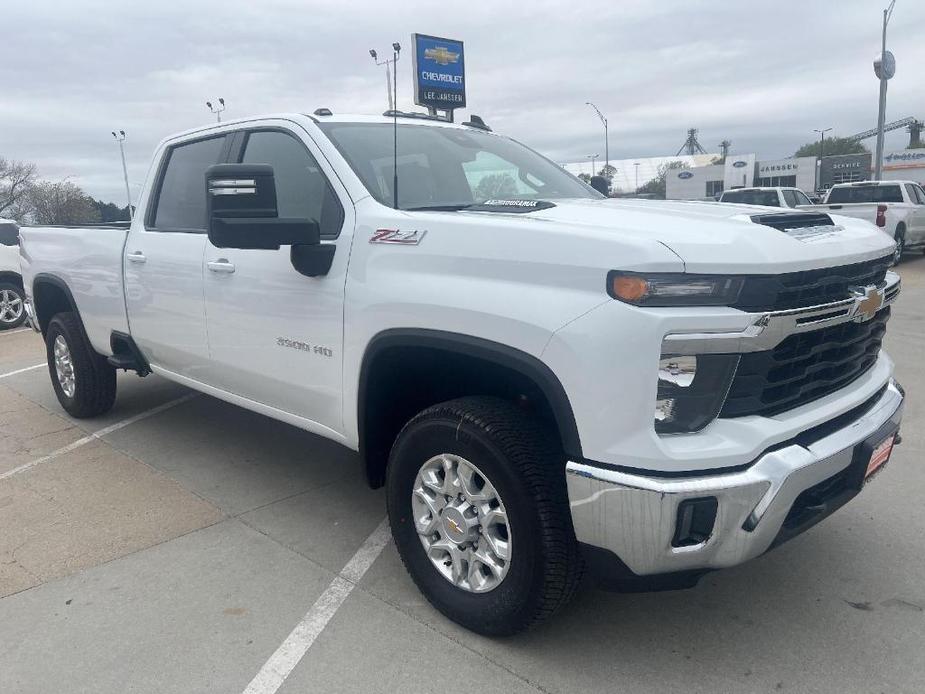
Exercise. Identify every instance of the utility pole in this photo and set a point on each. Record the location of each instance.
(592, 157)
(120, 138)
(636, 164)
(606, 136)
(884, 68)
(217, 110)
(822, 133)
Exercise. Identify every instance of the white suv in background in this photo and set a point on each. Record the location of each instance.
(769, 197)
(12, 308)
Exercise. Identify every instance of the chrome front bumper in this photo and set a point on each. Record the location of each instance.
(634, 516)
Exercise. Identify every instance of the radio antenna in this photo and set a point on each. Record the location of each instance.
(396, 49)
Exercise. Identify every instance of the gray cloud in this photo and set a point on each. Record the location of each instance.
(763, 75)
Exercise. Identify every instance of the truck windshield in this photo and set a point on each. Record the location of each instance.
(449, 168)
(849, 194)
(752, 197)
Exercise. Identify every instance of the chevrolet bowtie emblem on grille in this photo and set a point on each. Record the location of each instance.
(867, 301)
(441, 55)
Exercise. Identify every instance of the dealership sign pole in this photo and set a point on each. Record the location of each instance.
(439, 74)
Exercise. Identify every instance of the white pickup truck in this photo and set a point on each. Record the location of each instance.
(545, 382)
(897, 207)
(12, 297)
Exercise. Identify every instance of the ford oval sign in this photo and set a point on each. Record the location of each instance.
(739, 164)
(685, 174)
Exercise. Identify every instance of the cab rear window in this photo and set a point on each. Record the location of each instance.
(851, 194)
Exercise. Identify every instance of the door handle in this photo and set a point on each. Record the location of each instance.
(137, 257)
(221, 266)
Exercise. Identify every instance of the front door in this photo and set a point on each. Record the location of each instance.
(276, 336)
(163, 262)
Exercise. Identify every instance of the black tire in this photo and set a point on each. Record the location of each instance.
(94, 378)
(12, 316)
(526, 467)
(900, 238)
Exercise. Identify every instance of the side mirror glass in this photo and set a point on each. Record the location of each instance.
(242, 211)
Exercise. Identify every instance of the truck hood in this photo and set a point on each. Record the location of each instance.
(720, 238)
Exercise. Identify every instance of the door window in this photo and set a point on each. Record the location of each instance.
(181, 199)
(302, 190)
(790, 198)
(919, 194)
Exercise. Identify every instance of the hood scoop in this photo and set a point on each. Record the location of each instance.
(799, 225)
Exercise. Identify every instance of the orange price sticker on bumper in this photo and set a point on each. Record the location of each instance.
(880, 455)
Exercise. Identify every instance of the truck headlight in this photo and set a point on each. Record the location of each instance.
(673, 289)
(691, 390)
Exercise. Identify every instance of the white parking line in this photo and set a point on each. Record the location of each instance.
(22, 371)
(275, 671)
(96, 435)
(13, 332)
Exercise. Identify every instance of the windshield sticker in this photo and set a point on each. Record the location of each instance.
(511, 206)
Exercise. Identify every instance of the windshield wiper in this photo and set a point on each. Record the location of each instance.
(439, 208)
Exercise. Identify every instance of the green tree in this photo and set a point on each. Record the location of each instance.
(608, 171)
(656, 186)
(585, 177)
(833, 145)
(499, 185)
(61, 202)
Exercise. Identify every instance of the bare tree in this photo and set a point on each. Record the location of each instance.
(61, 202)
(16, 180)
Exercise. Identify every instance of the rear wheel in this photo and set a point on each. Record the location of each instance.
(479, 514)
(12, 306)
(83, 380)
(900, 238)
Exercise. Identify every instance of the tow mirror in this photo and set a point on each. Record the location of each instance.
(242, 213)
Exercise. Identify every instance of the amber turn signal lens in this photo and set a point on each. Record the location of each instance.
(630, 288)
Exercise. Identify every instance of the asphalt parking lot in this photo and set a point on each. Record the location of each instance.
(175, 544)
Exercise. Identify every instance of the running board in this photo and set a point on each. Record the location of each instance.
(126, 355)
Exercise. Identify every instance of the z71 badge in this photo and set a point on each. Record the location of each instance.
(404, 238)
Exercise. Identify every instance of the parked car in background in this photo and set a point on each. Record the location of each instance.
(897, 207)
(769, 197)
(12, 298)
(545, 382)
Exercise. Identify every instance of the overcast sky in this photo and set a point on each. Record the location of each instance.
(762, 74)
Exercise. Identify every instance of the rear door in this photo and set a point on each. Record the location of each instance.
(163, 261)
(916, 223)
(276, 336)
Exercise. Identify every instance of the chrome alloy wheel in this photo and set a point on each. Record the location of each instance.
(11, 306)
(462, 523)
(64, 367)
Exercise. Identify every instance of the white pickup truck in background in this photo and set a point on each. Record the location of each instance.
(12, 297)
(546, 382)
(897, 207)
(767, 196)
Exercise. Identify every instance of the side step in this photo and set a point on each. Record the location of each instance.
(126, 355)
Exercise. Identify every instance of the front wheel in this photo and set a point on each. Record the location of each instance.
(479, 514)
(12, 306)
(83, 380)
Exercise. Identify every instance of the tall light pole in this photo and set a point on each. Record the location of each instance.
(606, 137)
(388, 76)
(884, 68)
(217, 110)
(636, 164)
(822, 133)
(120, 138)
(592, 157)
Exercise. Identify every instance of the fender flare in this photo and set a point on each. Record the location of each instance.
(494, 352)
(47, 278)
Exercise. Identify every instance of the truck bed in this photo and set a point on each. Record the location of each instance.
(87, 260)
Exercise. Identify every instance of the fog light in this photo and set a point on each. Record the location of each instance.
(696, 518)
(691, 390)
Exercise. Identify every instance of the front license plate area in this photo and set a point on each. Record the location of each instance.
(879, 456)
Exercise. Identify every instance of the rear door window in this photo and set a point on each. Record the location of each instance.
(181, 198)
(790, 198)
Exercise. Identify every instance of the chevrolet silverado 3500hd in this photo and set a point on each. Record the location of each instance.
(545, 380)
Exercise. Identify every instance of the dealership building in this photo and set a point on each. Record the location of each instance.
(745, 170)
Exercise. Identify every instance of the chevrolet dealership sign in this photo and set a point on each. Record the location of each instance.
(439, 72)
